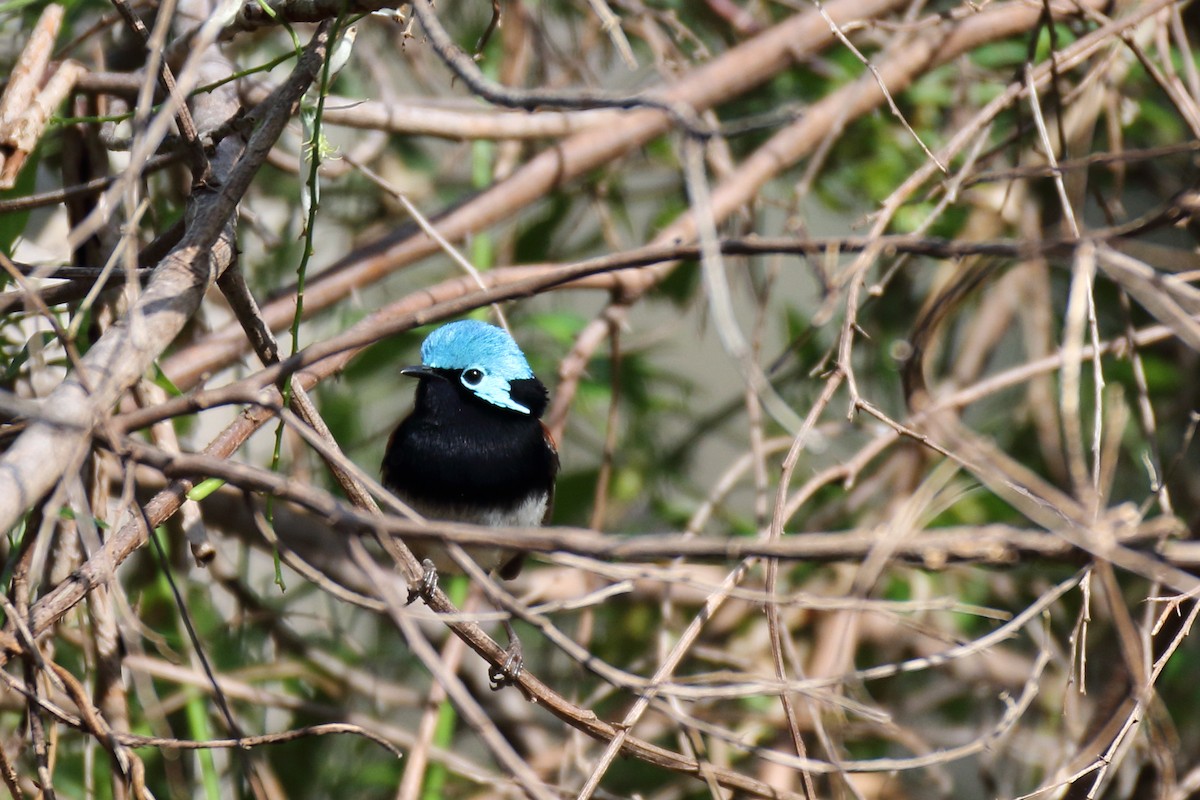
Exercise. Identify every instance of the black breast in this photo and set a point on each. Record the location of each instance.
(456, 449)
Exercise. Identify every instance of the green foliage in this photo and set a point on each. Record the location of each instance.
(13, 224)
(16, 363)
(536, 241)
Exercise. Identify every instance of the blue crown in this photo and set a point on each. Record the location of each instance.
(471, 343)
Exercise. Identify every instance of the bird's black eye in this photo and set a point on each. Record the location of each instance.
(472, 377)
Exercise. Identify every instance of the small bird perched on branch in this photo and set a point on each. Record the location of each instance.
(474, 448)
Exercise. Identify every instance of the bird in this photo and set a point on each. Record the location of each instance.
(474, 448)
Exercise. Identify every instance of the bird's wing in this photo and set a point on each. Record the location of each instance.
(550, 497)
(512, 567)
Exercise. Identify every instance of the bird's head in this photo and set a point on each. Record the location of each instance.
(486, 362)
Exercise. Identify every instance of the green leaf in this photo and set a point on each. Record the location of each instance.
(13, 224)
(14, 367)
(205, 488)
(166, 384)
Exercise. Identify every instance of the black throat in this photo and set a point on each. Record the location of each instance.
(456, 449)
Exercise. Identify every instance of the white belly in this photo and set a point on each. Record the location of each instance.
(528, 514)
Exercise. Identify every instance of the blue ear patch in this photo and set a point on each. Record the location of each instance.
(473, 346)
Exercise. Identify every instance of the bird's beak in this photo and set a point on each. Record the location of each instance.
(419, 371)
